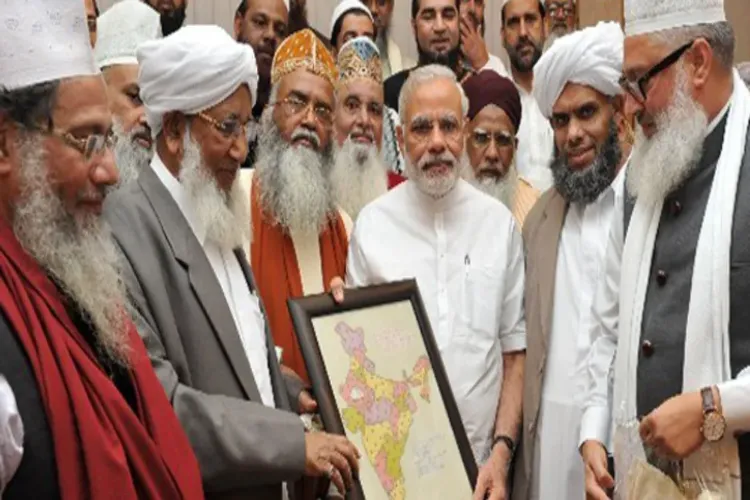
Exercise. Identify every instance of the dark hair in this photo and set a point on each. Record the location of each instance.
(96, 8)
(241, 9)
(415, 4)
(32, 106)
(340, 21)
(542, 12)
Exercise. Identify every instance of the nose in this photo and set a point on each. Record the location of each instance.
(437, 144)
(440, 25)
(239, 148)
(523, 30)
(492, 154)
(575, 133)
(308, 118)
(104, 171)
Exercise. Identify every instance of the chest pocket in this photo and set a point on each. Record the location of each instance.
(480, 307)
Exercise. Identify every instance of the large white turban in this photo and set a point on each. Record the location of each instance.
(345, 6)
(592, 56)
(121, 29)
(42, 41)
(191, 70)
(649, 16)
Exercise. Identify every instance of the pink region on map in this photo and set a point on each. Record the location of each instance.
(381, 464)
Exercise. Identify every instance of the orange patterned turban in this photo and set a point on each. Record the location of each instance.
(303, 50)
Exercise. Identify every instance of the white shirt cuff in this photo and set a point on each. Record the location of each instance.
(595, 425)
(514, 342)
(735, 404)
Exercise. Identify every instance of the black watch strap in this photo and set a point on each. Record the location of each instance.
(507, 440)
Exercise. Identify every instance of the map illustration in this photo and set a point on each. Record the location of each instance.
(381, 410)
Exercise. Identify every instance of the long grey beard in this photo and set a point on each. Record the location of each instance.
(294, 182)
(77, 251)
(502, 189)
(130, 157)
(358, 176)
(585, 186)
(659, 165)
(226, 216)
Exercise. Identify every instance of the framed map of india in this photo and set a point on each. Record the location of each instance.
(378, 378)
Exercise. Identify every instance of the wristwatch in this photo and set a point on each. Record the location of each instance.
(714, 425)
(507, 440)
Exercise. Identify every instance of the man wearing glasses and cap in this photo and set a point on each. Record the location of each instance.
(182, 228)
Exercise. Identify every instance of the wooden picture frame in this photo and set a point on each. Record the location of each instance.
(388, 305)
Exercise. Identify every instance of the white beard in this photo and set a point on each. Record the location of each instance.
(503, 190)
(226, 216)
(130, 157)
(294, 182)
(358, 176)
(438, 185)
(659, 165)
(76, 250)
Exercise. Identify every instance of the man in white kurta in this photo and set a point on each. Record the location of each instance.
(566, 237)
(465, 251)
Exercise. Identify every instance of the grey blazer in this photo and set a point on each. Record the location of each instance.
(245, 449)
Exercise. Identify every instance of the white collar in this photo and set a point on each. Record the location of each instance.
(180, 196)
(715, 122)
(435, 205)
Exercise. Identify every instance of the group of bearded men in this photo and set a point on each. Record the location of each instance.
(146, 348)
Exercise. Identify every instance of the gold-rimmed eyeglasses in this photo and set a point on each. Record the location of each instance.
(293, 105)
(230, 128)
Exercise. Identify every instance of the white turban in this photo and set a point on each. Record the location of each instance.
(42, 41)
(191, 70)
(345, 6)
(592, 56)
(648, 16)
(121, 29)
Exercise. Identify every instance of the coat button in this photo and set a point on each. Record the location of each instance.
(661, 278)
(647, 348)
(675, 208)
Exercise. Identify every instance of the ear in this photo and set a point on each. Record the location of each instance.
(174, 126)
(414, 28)
(238, 21)
(702, 60)
(8, 134)
(400, 139)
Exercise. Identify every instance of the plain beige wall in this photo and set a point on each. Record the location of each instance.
(221, 12)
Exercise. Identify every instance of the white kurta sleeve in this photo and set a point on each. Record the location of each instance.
(11, 435)
(735, 402)
(356, 264)
(512, 315)
(603, 337)
(496, 64)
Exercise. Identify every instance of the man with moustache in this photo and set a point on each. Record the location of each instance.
(173, 14)
(262, 24)
(523, 37)
(93, 413)
(494, 117)
(122, 28)
(393, 61)
(561, 19)
(181, 228)
(465, 252)
(350, 19)
(680, 372)
(566, 241)
(299, 236)
(473, 46)
(436, 30)
(358, 175)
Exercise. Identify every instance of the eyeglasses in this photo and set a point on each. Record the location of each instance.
(558, 8)
(93, 145)
(482, 140)
(231, 128)
(637, 88)
(294, 105)
(422, 129)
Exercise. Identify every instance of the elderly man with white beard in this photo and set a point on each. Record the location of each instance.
(491, 142)
(299, 236)
(464, 249)
(674, 304)
(359, 175)
(181, 227)
(121, 29)
(92, 410)
(566, 242)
